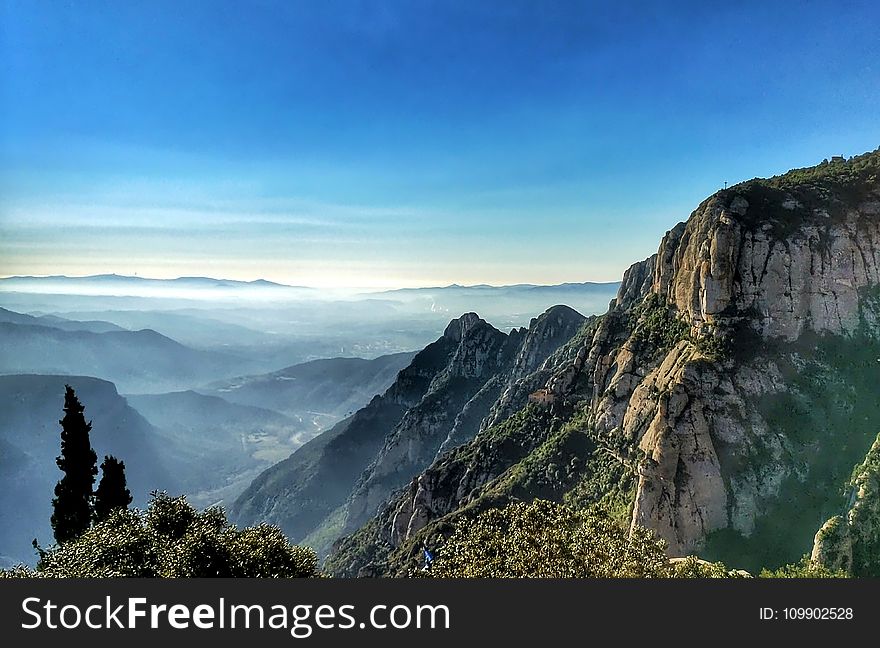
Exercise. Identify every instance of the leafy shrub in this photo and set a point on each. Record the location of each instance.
(542, 539)
(173, 540)
(805, 568)
(693, 567)
(657, 326)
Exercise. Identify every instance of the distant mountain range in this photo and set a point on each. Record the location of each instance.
(52, 321)
(181, 287)
(272, 327)
(115, 284)
(508, 288)
(115, 279)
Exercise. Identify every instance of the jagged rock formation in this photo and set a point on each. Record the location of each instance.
(339, 479)
(458, 400)
(724, 396)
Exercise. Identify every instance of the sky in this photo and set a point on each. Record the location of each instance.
(405, 143)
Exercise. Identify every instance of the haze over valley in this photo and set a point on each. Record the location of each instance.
(201, 384)
(497, 289)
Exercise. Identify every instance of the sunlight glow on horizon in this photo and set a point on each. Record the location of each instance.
(337, 144)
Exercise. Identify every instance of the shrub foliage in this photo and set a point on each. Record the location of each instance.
(173, 540)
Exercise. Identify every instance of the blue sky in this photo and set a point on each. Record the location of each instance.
(405, 143)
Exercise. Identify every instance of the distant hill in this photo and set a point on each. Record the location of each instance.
(137, 361)
(334, 387)
(30, 441)
(64, 324)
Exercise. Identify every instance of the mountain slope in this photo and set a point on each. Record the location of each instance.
(335, 386)
(137, 361)
(93, 326)
(30, 441)
(721, 401)
(458, 399)
(419, 412)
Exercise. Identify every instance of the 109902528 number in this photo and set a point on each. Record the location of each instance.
(817, 613)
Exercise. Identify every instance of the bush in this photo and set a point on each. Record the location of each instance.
(806, 568)
(693, 567)
(657, 325)
(542, 539)
(173, 540)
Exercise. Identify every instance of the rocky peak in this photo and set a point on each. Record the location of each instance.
(636, 283)
(545, 334)
(458, 328)
(785, 255)
(483, 363)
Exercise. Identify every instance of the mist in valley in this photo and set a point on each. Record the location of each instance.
(199, 384)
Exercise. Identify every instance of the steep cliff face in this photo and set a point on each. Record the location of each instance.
(339, 479)
(457, 400)
(722, 401)
(783, 258)
(298, 494)
(777, 279)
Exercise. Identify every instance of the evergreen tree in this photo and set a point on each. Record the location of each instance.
(112, 492)
(71, 505)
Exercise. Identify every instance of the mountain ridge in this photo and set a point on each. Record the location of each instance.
(697, 404)
(436, 385)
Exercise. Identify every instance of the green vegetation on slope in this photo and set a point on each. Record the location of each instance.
(864, 516)
(832, 188)
(658, 328)
(821, 427)
(173, 540)
(851, 541)
(542, 539)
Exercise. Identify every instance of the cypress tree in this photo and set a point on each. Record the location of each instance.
(71, 506)
(112, 492)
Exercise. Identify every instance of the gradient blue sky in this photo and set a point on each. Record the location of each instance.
(405, 143)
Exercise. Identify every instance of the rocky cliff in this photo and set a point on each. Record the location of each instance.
(337, 481)
(722, 401)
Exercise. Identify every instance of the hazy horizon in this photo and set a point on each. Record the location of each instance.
(393, 145)
(262, 280)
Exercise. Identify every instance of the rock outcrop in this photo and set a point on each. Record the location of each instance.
(342, 477)
(781, 258)
(732, 381)
(458, 399)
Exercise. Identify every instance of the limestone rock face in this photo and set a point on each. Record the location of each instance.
(636, 283)
(832, 547)
(681, 493)
(729, 264)
(713, 377)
